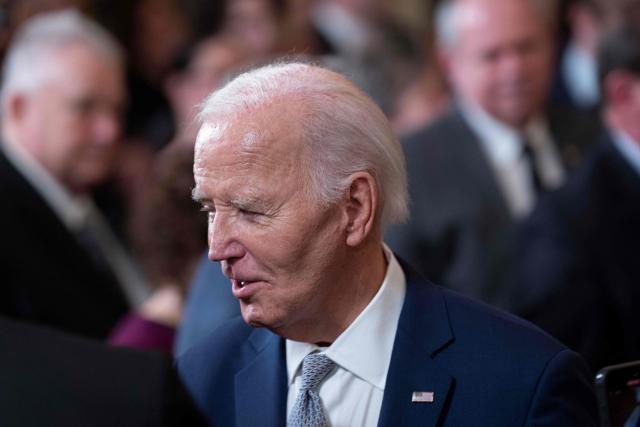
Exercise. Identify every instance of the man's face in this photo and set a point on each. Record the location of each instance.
(72, 123)
(501, 60)
(282, 250)
(622, 90)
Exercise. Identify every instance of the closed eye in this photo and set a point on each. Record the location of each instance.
(247, 212)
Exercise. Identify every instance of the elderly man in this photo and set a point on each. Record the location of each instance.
(62, 101)
(480, 166)
(575, 270)
(300, 174)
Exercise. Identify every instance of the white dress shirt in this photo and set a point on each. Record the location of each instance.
(503, 147)
(352, 393)
(629, 148)
(77, 212)
(580, 73)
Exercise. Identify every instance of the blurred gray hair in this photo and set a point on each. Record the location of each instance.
(32, 54)
(447, 16)
(344, 130)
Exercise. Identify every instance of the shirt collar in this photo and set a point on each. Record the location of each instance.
(501, 142)
(629, 148)
(365, 347)
(72, 210)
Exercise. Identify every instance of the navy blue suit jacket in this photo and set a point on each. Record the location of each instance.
(485, 368)
(574, 269)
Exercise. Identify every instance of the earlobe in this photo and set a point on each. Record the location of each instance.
(361, 208)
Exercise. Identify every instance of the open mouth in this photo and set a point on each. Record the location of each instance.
(239, 283)
(245, 288)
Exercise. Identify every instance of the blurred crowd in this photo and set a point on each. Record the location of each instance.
(520, 122)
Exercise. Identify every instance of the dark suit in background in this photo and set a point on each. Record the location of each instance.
(53, 379)
(46, 275)
(576, 267)
(460, 219)
(484, 367)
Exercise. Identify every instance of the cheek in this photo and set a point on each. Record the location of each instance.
(475, 77)
(67, 134)
(279, 252)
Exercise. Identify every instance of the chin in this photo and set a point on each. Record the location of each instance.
(251, 317)
(514, 117)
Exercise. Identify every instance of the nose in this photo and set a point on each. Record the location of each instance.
(223, 240)
(514, 64)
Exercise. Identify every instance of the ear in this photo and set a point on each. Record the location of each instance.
(360, 211)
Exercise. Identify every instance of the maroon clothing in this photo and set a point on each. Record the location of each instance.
(138, 332)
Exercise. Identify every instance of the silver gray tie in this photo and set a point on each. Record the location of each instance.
(307, 411)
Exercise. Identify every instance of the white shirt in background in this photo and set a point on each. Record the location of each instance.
(629, 148)
(503, 146)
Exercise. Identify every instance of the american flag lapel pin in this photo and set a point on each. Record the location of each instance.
(422, 397)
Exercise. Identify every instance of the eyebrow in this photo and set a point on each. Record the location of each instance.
(198, 197)
(246, 202)
(239, 201)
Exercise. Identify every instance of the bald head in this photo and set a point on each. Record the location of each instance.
(498, 54)
(342, 130)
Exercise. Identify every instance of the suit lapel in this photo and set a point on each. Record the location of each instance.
(261, 387)
(423, 331)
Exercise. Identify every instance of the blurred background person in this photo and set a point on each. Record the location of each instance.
(63, 98)
(574, 270)
(54, 379)
(167, 227)
(576, 79)
(258, 23)
(480, 166)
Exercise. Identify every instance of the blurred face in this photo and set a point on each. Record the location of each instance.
(213, 61)
(72, 123)
(282, 251)
(622, 102)
(255, 22)
(501, 60)
(634, 110)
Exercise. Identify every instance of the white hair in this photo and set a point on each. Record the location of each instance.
(344, 130)
(32, 54)
(447, 19)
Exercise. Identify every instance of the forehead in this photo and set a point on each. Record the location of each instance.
(265, 144)
(483, 22)
(268, 130)
(76, 68)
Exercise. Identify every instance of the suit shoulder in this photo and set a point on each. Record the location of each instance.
(215, 356)
(209, 369)
(516, 365)
(434, 131)
(228, 336)
(499, 330)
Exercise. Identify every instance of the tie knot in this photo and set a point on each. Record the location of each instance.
(315, 367)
